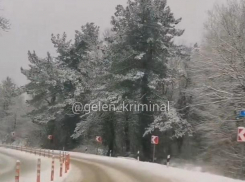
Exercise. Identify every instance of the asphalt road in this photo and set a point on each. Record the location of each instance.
(27, 166)
(93, 170)
(82, 170)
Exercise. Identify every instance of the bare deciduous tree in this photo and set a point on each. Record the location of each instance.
(217, 72)
(4, 24)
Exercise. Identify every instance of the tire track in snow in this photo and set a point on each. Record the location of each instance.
(93, 170)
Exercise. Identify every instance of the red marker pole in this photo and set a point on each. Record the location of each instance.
(39, 170)
(66, 163)
(52, 169)
(69, 162)
(61, 165)
(17, 171)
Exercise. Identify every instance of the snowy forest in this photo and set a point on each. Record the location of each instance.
(137, 59)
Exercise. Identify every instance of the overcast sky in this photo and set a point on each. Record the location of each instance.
(33, 22)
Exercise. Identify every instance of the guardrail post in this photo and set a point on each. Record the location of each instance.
(49, 153)
(38, 170)
(52, 169)
(63, 155)
(66, 163)
(168, 160)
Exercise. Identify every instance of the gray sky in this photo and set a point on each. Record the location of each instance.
(33, 22)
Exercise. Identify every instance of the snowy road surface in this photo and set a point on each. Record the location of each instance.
(28, 166)
(103, 169)
(91, 168)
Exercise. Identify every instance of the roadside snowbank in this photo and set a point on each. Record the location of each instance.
(173, 174)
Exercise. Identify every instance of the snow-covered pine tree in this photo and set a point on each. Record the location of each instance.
(175, 129)
(8, 96)
(142, 45)
(8, 90)
(56, 83)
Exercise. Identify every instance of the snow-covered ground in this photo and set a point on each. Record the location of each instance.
(173, 174)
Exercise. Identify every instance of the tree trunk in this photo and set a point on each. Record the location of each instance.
(126, 135)
(146, 116)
